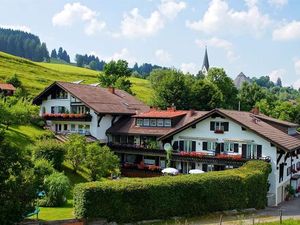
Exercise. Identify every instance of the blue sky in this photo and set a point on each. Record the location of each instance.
(257, 37)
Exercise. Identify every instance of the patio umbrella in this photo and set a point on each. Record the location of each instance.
(196, 171)
(170, 170)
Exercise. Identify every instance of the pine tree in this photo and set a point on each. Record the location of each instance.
(54, 54)
(279, 82)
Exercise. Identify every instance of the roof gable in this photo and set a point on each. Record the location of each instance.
(101, 100)
(247, 120)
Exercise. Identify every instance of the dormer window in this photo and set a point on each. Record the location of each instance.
(168, 123)
(152, 122)
(219, 127)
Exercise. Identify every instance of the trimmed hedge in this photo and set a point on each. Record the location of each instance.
(137, 199)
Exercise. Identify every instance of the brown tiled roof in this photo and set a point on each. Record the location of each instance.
(101, 100)
(253, 123)
(281, 122)
(162, 114)
(9, 87)
(127, 125)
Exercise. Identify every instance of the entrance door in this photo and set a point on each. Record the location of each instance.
(57, 128)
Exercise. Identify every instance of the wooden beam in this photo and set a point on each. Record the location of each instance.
(281, 153)
(113, 120)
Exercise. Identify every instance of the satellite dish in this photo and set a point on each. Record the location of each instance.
(168, 147)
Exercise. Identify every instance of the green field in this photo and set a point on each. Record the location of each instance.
(36, 76)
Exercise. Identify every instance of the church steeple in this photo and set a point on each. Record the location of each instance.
(205, 66)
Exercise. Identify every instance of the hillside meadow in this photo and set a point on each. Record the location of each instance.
(36, 76)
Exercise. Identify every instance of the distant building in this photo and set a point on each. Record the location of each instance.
(240, 79)
(7, 89)
(205, 66)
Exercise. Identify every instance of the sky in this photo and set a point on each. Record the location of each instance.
(256, 37)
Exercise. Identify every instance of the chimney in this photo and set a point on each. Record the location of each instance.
(192, 112)
(111, 90)
(255, 110)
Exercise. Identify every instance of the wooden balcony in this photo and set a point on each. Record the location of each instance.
(67, 117)
(216, 159)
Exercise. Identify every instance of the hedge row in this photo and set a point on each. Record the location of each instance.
(136, 199)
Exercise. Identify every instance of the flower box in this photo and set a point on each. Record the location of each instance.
(219, 131)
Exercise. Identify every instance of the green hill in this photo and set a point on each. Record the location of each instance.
(36, 76)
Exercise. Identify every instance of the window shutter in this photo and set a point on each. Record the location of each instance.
(226, 126)
(181, 145)
(259, 151)
(204, 146)
(204, 167)
(244, 150)
(236, 147)
(175, 145)
(212, 125)
(193, 146)
(222, 147)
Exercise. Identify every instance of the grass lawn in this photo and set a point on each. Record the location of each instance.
(284, 222)
(23, 135)
(65, 211)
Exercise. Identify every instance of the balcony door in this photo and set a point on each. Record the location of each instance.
(58, 128)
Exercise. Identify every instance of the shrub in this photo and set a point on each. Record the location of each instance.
(42, 168)
(76, 149)
(100, 161)
(51, 150)
(47, 134)
(137, 199)
(57, 186)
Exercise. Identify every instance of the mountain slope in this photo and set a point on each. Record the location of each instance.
(36, 76)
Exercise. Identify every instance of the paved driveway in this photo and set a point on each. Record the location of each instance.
(290, 208)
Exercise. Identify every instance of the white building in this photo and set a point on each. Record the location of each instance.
(85, 109)
(207, 140)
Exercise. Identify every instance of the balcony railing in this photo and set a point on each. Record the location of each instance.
(67, 117)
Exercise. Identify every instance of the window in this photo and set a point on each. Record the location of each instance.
(189, 146)
(160, 122)
(130, 158)
(139, 122)
(149, 160)
(231, 147)
(208, 146)
(130, 140)
(251, 151)
(219, 126)
(65, 126)
(87, 127)
(117, 138)
(167, 122)
(146, 122)
(58, 109)
(153, 122)
(43, 109)
(72, 127)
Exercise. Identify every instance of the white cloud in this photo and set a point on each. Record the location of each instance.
(124, 54)
(288, 31)
(297, 66)
(163, 56)
(16, 27)
(189, 68)
(296, 85)
(170, 8)
(219, 43)
(73, 12)
(134, 25)
(278, 3)
(278, 73)
(219, 18)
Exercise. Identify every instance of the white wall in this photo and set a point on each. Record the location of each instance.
(55, 102)
(203, 132)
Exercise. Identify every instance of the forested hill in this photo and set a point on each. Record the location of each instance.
(23, 44)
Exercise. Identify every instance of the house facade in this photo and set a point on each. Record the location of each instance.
(207, 140)
(85, 109)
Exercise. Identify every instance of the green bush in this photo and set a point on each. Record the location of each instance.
(57, 186)
(137, 199)
(42, 168)
(51, 150)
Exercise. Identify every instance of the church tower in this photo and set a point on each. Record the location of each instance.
(205, 66)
